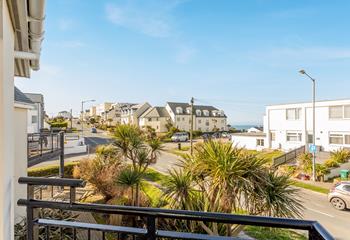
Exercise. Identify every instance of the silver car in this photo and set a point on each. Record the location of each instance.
(339, 195)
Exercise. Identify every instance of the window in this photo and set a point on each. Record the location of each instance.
(198, 112)
(310, 138)
(199, 121)
(347, 139)
(207, 123)
(188, 110)
(273, 136)
(183, 119)
(346, 188)
(34, 119)
(336, 112)
(259, 142)
(206, 113)
(347, 111)
(178, 119)
(293, 137)
(150, 119)
(179, 110)
(336, 139)
(293, 113)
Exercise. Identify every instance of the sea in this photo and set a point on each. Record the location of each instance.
(243, 127)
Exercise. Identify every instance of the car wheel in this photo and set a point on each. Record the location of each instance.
(338, 203)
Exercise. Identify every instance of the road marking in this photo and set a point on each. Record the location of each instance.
(316, 211)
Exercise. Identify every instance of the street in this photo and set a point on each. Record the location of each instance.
(318, 208)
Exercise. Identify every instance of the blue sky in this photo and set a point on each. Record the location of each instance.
(236, 55)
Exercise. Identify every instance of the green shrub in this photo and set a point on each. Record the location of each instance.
(52, 170)
(331, 163)
(305, 162)
(340, 156)
(197, 133)
(59, 124)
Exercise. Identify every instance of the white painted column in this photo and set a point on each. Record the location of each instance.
(6, 123)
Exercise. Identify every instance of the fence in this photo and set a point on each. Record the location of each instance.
(288, 157)
(150, 217)
(44, 146)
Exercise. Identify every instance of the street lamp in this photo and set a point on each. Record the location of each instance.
(82, 115)
(313, 124)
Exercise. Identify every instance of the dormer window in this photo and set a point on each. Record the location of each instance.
(215, 113)
(179, 110)
(206, 113)
(198, 112)
(188, 110)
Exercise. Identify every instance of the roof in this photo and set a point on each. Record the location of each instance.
(20, 97)
(174, 105)
(35, 97)
(249, 134)
(309, 102)
(155, 112)
(258, 128)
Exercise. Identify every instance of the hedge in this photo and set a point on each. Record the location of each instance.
(58, 124)
(52, 170)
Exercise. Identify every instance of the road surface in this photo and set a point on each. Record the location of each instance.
(318, 208)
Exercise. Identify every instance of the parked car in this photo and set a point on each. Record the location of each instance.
(216, 135)
(206, 137)
(93, 130)
(225, 135)
(339, 195)
(180, 137)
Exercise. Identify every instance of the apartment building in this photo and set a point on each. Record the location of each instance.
(130, 113)
(155, 117)
(206, 118)
(288, 126)
(92, 111)
(36, 115)
(101, 108)
(113, 115)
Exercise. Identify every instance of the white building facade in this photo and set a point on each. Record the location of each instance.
(130, 113)
(289, 126)
(206, 118)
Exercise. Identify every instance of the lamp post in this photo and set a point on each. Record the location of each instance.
(313, 123)
(82, 115)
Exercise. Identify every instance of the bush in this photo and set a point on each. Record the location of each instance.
(340, 156)
(101, 173)
(58, 124)
(305, 162)
(331, 163)
(52, 170)
(197, 133)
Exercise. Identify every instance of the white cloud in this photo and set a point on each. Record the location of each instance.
(152, 17)
(185, 54)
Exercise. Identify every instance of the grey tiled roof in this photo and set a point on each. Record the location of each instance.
(35, 97)
(21, 97)
(184, 106)
(156, 112)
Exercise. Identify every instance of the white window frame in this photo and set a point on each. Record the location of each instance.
(260, 142)
(343, 112)
(339, 134)
(298, 135)
(297, 114)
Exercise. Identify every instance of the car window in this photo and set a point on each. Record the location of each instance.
(346, 188)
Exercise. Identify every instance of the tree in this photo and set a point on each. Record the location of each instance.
(131, 179)
(138, 147)
(229, 179)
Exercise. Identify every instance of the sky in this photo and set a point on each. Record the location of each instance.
(238, 56)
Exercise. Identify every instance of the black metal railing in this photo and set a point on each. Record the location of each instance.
(44, 146)
(150, 215)
(288, 157)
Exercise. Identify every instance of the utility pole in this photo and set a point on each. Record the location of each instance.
(191, 132)
(313, 124)
(71, 119)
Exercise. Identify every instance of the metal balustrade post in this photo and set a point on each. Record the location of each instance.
(72, 195)
(32, 213)
(61, 170)
(151, 228)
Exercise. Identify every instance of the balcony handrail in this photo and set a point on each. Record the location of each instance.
(315, 230)
(61, 182)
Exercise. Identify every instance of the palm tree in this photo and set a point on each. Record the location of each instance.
(231, 180)
(131, 179)
(139, 148)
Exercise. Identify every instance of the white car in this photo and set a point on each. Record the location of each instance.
(180, 137)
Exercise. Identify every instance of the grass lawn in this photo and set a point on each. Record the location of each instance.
(155, 176)
(154, 194)
(262, 233)
(311, 187)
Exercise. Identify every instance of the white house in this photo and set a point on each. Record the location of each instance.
(64, 114)
(36, 115)
(206, 118)
(288, 126)
(249, 140)
(21, 34)
(130, 113)
(101, 108)
(155, 117)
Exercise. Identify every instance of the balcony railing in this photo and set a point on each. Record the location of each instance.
(150, 216)
(44, 146)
